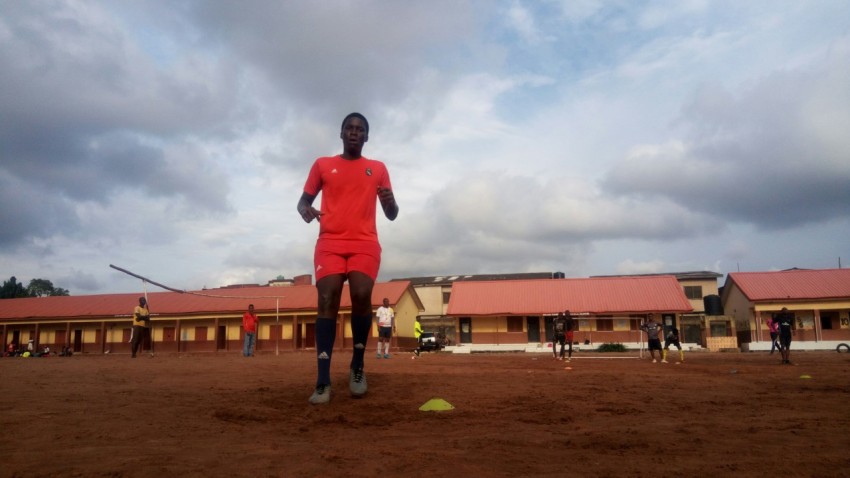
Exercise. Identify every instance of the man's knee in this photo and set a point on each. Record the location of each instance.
(360, 286)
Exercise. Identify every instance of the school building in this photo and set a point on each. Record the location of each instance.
(508, 312)
(518, 314)
(819, 300)
(203, 321)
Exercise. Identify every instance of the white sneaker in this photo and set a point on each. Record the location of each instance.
(357, 382)
(663, 361)
(654, 361)
(321, 395)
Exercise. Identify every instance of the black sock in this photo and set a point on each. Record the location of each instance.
(325, 338)
(360, 328)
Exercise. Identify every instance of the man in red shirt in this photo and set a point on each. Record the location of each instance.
(249, 325)
(348, 247)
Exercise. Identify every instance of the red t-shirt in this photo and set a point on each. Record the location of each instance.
(349, 196)
(249, 322)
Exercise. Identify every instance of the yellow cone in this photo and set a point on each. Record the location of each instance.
(805, 376)
(436, 405)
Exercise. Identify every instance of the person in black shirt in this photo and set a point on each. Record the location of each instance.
(672, 338)
(559, 335)
(785, 320)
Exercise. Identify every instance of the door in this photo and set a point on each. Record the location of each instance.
(275, 334)
(548, 321)
(466, 330)
(533, 324)
(310, 335)
(78, 341)
(221, 338)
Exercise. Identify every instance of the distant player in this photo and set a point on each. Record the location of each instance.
(571, 326)
(559, 335)
(785, 320)
(385, 316)
(672, 338)
(653, 329)
(417, 333)
(773, 326)
(141, 326)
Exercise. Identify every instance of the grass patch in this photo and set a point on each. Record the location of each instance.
(611, 348)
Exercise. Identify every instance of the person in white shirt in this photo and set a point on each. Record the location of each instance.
(386, 326)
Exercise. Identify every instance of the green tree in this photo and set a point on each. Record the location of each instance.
(43, 288)
(13, 289)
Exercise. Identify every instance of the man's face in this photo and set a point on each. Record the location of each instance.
(386, 302)
(251, 309)
(354, 134)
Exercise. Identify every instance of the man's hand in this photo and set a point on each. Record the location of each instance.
(309, 213)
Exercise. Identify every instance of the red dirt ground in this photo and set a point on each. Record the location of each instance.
(515, 415)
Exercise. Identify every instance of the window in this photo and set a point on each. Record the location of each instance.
(515, 324)
(693, 291)
(605, 325)
(446, 297)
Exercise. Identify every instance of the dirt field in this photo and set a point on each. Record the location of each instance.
(515, 415)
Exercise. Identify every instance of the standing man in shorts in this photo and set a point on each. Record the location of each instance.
(652, 329)
(348, 247)
(386, 326)
(785, 321)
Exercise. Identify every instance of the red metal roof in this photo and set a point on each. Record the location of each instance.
(602, 295)
(793, 284)
(292, 299)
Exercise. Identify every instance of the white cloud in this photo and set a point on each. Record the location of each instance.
(589, 137)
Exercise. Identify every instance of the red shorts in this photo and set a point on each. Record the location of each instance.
(569, 336)
(340, 256)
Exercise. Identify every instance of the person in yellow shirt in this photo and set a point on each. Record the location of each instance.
(417, 332)
(141, 325)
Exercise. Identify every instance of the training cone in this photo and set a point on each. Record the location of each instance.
(805, 376)
(436, 405)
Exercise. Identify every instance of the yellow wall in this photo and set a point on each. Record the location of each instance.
(738, 306)
(432, 299)
(709, 287)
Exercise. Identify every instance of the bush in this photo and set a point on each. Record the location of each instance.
(611, 348)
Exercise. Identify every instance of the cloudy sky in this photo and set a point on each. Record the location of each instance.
(173, 138)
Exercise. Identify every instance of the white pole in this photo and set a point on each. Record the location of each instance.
(277, 323)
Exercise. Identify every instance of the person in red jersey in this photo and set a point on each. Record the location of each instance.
(348, 247)
(249, 325)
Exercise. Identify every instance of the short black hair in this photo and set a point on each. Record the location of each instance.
(355, 115)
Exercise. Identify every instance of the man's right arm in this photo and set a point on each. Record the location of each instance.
(305, 208)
